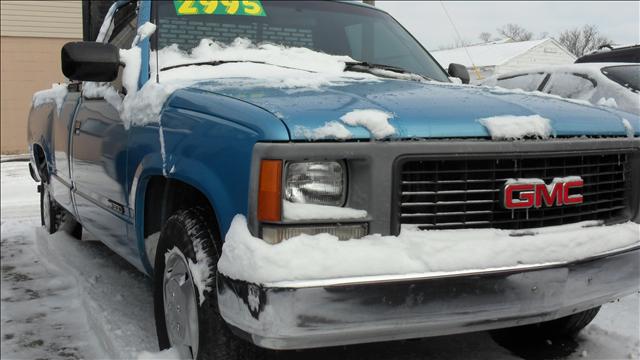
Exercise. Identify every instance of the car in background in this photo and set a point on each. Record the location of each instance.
(615, 85)
(608, 53)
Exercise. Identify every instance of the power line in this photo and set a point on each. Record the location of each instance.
(461, 41)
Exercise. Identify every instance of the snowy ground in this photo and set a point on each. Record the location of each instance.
(67, 299)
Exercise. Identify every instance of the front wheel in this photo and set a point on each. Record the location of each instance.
(565, 327)
(185, 301)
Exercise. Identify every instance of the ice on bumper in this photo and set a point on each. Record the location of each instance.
(320, 257)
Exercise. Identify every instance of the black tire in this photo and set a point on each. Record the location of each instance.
(53, 217)
(48, 210)
(184, 230)
(565, 327)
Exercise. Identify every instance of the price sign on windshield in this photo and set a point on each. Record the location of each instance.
(219, 7)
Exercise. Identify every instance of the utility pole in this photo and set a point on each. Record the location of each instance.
(370, 2)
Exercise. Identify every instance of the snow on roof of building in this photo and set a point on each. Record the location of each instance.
(488, 54)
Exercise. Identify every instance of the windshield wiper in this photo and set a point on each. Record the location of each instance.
(363, 66)
(220, 62)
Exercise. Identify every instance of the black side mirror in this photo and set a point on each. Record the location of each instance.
(459, 71)
(90, 61)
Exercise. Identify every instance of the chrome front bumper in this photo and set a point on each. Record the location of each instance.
(310, 315)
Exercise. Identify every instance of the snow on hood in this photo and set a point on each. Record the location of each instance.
(375, 121)
(510, 127)
(264, 65)
(313, 95)
(420, 109)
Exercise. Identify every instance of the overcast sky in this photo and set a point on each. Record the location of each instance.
(620, 21)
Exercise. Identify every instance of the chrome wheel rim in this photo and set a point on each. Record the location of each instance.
(180, 305)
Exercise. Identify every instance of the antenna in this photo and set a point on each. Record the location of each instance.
(155, 39)
(461, 41)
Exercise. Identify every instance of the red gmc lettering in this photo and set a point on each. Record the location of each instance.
(524, 196)
(549, 197)
(524, 199)
(572, 199)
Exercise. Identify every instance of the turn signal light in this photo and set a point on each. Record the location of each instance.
(270, 190)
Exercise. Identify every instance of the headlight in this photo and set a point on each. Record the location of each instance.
(321, 183)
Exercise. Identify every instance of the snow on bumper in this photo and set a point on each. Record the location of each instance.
(324, 260)
(317, 292)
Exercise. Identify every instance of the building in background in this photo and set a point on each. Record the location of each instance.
(31, 36)
(499, 57)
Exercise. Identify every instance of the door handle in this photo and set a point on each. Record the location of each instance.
(76, 128)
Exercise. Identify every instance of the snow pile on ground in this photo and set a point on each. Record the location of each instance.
(56, 95)
(63, 298)
(376, 121)
(295, 211)
(513, 127)
(323, 256)
(330, 130)
(41, 308)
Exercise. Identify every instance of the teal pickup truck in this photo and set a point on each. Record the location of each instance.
(304, 174)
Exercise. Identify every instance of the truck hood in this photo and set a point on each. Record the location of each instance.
(422, 110)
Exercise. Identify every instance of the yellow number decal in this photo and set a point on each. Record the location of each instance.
(231, 5)
(251, 7)
(209, 6)
(187, 8)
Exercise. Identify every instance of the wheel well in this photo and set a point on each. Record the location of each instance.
(41, 162)
(164, 197)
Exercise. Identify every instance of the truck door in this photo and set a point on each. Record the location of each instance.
(62, 123)
(99, 153)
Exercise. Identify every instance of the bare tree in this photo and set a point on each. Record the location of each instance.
(454, 45)
(515, 32)
(581, 41)
(485, 36)
(543, 35)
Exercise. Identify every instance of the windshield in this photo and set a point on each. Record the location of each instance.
(361, 33)
(625, 75)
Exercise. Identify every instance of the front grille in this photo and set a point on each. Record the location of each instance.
(465, 193)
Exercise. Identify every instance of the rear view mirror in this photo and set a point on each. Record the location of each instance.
(90, 61)
(459, 71)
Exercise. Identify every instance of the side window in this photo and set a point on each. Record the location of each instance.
(124, 29)
(527, 82)
(571, 86)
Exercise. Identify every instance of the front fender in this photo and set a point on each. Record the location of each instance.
(211, 153)
(39, 132)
